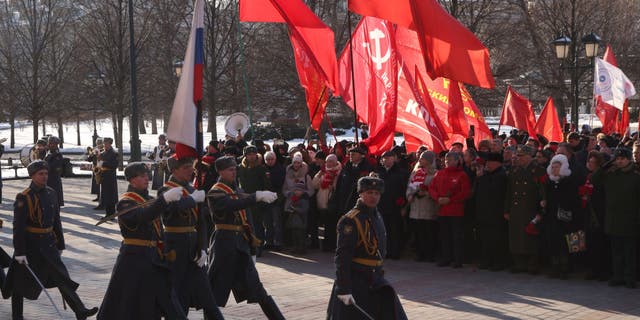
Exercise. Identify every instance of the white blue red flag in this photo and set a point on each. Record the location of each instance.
(184, 126)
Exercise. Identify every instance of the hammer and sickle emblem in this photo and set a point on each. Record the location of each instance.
(376, 35)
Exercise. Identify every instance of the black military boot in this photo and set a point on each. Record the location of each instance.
(71, 297)
(16, 307)
(270, 309)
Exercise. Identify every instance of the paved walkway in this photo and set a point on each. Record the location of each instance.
(301, 286)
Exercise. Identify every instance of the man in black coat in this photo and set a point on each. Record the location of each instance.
(56, 168)
(140, 282)
(108, 163)
(359, 259)
(345, 196)
(232, 267)
(392, 201)
(38, 242)
(489, 191)
(185, 232)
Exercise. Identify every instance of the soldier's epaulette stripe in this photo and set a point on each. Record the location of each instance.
(352, 214)
(25, 191)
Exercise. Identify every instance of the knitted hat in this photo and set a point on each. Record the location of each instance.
(297, 157)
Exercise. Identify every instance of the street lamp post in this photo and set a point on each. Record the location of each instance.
(567, 49)
(133, 121)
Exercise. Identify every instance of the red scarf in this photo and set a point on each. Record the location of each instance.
(329, 175)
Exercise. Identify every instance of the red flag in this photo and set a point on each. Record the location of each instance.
(608, 116)
(409, 50)
(314, 86)
(455, 115)
(449, 49)
(417, 117)
(609, 56)
(375, 69)
(624, 119)
(311, 33)
(518, 112)
(548, 124)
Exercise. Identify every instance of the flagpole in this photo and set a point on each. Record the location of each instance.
(315, 112)
(353, 80)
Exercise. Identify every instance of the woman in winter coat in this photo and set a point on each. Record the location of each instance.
(324, 183)
(297, 190)
(562, 214)
(423, 212)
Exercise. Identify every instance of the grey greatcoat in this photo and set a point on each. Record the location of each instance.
(525, 190)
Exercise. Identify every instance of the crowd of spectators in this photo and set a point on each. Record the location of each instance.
(517, 203)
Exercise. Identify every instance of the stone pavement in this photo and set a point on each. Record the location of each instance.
(301, 285)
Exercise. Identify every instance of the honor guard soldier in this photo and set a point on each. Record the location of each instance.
(185, 232)
(360, 290)
(108, 163)
(38, 242)
(56, 168)
(92, 156)
(233, 243)
(140, 286)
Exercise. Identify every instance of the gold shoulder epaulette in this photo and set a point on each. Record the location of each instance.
(353, 213)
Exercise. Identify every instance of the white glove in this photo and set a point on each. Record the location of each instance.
(21, 259)
(173, 194)
(266, 196)
(254, 259)
(347, 299)
(198, 196)
(200, 261)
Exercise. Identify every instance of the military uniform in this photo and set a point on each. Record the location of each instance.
(231, 267)
(140, 282)
(358, 260)
(109, 184)
(525, 190)
(37, 234)
(186, 234)
(56, 170)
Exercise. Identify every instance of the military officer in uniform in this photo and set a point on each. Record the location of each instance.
(56, 168)
(524, 201)
(359, 257)
(38, 242)
(185, 232)
(108, 163)
(233, 244)
(140, 286)
(93, 158)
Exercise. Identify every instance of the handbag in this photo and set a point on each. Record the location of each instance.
(576, 241)
(564, 215)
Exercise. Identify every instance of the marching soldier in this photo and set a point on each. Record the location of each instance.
(186, 234)
(108, 163)
(233, 244)
(56, 168)
(140, 287)
(360, 286)
(38, 243)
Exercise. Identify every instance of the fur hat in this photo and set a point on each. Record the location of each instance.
(493, 156)
(331, 157)
(36, 166)
(249, 149)
(370, 183)
(135, 169)
(53, 139)
(622, 152)
(297, 157)
(564, 167)
(175, 162)
(225, 163)
(107, 140)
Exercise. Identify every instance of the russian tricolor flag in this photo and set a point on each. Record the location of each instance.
(184, 125)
